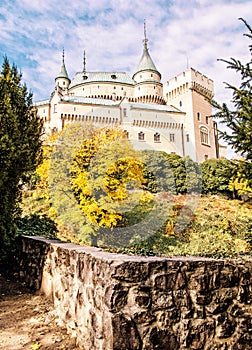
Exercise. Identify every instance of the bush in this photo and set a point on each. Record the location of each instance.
(36, 225)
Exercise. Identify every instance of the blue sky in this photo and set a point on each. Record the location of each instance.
(180, 32)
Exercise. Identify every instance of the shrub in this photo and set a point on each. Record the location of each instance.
(36, 225)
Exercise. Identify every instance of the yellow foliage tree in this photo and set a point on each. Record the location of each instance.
(105, 175)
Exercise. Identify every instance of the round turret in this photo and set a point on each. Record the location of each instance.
(148, 87)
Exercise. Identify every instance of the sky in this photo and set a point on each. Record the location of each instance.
(181, 33)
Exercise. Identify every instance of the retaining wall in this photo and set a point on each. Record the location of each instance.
(125, 302)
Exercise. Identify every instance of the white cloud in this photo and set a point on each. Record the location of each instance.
(199, 31)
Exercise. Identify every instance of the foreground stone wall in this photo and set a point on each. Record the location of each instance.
(122, 302)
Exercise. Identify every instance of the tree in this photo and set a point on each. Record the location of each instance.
(239, 121)
(158, 172)
(107, 181)
(20, 145)
(216, 175)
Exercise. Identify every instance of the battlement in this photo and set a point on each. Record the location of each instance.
(191, 79)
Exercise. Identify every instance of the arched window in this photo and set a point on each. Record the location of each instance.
(204, 135)
(156, 137)
(141, 136)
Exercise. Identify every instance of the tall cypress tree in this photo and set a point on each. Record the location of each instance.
(239, 120)
(20, 145)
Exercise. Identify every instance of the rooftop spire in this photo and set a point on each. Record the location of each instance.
(63, 71)
(145, 37)
(63, 56)
(84, 62)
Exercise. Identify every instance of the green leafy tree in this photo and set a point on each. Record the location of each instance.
(239, 120)
(179, 172)
(216, 175)
(158, 172)
(20, 144)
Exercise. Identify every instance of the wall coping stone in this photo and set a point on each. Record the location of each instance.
(110, 256)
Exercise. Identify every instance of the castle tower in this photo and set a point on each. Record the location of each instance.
(190, 92)
(148, 88)
(62, 80)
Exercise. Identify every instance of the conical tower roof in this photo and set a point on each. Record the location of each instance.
(63, 71)
(146, 62)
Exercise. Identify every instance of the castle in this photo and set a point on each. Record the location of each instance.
(173, 116)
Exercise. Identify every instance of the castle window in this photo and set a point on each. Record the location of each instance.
(139, 88)
(64, 82)
(122, 88)
(126, 134)
(141, 76)
(85, 77)
(114, 87)
(180, 103)
(141, 136)
(55, 108)
(187, 138)
(113, 76)
(207, 119)
(198, 116)
(125, 112)
(156, 137)
(204, 135)
(206, 157)
(154, 87)
(172, 137)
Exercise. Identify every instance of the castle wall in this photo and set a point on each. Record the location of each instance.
(113, 301)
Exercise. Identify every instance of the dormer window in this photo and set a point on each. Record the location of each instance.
(113, 76)
(85, 77)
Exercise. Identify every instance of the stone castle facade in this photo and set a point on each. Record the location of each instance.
(173, 116)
